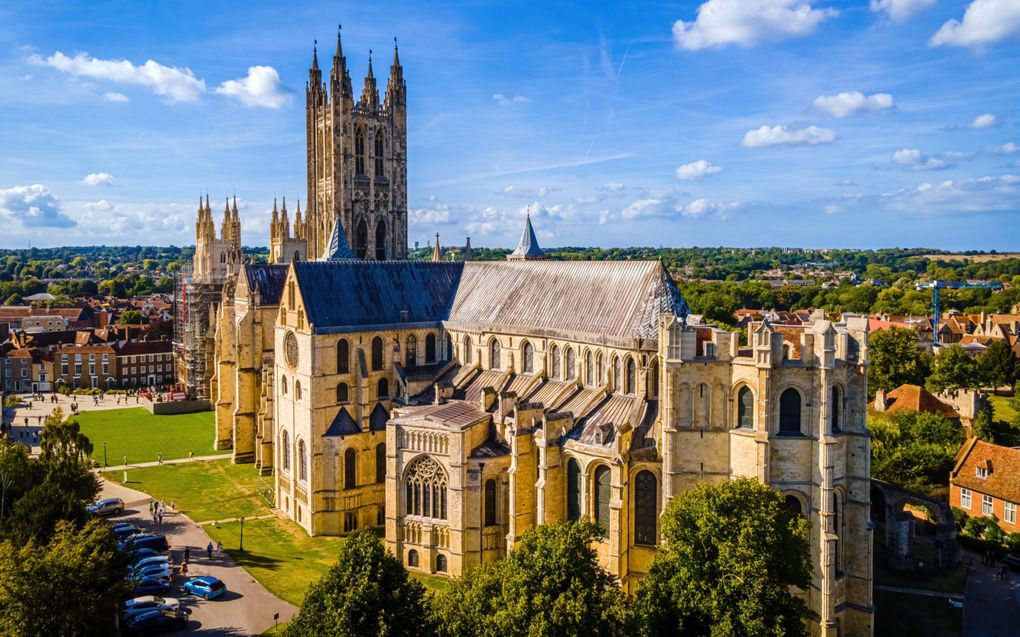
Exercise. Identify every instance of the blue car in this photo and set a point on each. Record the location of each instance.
(205, 586)
(147, 561)
(145, 541)
(162, 571)
(152, 586)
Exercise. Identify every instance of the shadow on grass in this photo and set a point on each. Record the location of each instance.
(245, 559)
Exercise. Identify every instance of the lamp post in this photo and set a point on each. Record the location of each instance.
(104, 456)
(240, 545)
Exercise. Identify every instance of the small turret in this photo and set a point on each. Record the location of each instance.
(527, 248)
(369, 94)
(437, 252)
(338, 249)
(468, 254)
(299, 224)
(396, 91)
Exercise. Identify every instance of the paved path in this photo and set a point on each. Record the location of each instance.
(138, 465)
(991, 608)
(247, 609)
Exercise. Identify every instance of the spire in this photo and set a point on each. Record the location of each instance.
(339, 48)
(437, 252)
(283, 209)
(395, 89)
(208, 208)
(468, 254)
(338, 248)
(315, 55)
(276, 213)
(314, 74)
(370, 76)
(369, 94)
(527, 247)
(396, 54)
(234, 207)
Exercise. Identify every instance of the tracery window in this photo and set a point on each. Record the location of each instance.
(603, 493)
(377, 354)
(286, 451)
(630, 376)
(359, 151)
(598, 369)
(529, 358)
(411, 351)
(425, 489)
(789, 412)
(589, 369)
(573, 490)
(343, 357)
(350, 469)
(571, 368)
(379, 152)
(494, 353)
(745, 408)
(646, 516)
(836, 406)
(617, 374)
(555, 362)
(467, 350)
(297, 390)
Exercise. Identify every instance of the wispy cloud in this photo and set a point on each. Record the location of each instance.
(900, 10)
(531, 169)
(112, 96)
(503, 100)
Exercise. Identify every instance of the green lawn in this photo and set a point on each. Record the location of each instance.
(211, 490)
(279, 554)
(139, 435)
(901, 614)
(1003, 410)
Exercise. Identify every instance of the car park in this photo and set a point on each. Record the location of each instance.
(1012, 560)
(152, 586)
(148, 603)
(156, 621)
(157, 542)
(138, 554)
(106, 506)
(147, 561)
(152, 570)
(205, 586)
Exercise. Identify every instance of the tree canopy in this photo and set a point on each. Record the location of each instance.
(894, 359)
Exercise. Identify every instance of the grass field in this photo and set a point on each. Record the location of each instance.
(1003, 411)
(279, 554)
(900, 614)
(975, 258)
(212, 490)
(139, 435)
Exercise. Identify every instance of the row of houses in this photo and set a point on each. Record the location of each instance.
(973, 332)
(90, 312)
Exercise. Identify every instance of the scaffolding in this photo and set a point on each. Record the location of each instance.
(195, 305)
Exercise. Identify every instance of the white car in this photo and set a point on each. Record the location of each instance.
(146, 603)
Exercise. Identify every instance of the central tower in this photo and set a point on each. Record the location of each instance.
(357, 160)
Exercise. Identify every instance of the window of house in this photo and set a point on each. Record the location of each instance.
(297, 388)
(440, 563)
(380, 462)
(981, 472)
(630, 376)
(965, 499)
(617, 375)
(430, 348)
(494, 354)
(380, 516)
(570, 370)
(350, 522)
(836, 407)
(1009, 512)
(529, 358)
(411, 351)
(350, 469)
(555, 368)
(603, 493)
(793, 504)
(425, 489)
(598, 369)
(646, 515)
(789, 412)
(589, 369)
(490, 502)
(573, 490)
(467, 350)
(987, 505)
(343, 357)
(342, 393)
(377, 354)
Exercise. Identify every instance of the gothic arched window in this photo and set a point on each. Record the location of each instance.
(342, 393)
(380, 462)
(836, 407)
(297, 390)
(646, 514)
(589, 369)
(630, 376)
(573, 490)
(382, 388)
(793, 504)
(494, 354)
(361, 240)
(377, 354)
(603, 493)
(412, 558)
(359, 151)
(745, 408)
(350, 469)
(343, 357)
(617, 375)
(789, 412)
(490, 502)
(440, 563)
(467, 350)
(380, 241)
(529, 358)
(555, 362)
(430, 348)
(653, 381)
(283, 385)
(570, 369)
(448, 354)
(302, 461)
(425, 489)
(285, 451)
(379, 154)
(598, 369)
(411, 351)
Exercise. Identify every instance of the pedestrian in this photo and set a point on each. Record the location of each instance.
(191, 455)
(161, 517)
(184, 568)
(187, 554)
(162, 504)
(219, 549)
(173, 505)
(159, 458)
(208, 550)
(151, 502)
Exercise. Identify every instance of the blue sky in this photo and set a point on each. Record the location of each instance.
(847, 123)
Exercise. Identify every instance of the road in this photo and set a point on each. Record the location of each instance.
(990, 608)
(247, 609)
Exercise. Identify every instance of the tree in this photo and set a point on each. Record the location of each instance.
(952, 369)
(549, 584)
(17, 475)
(729, 555)
(983, 425)
(894, 359)
(131, 317)
(914, 450)
(68, 586)
(998, 365)
(367, 592)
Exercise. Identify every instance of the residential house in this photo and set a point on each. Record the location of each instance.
(85, 366)
(985, 481)
(145, 363)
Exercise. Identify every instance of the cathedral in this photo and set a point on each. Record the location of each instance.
(453, 404)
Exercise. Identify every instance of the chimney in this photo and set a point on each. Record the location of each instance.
(507, 403)
(880, 403)
(488, 398)
(444, 391)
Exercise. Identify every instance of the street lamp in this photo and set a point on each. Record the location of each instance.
(105, 465)
(240, 545)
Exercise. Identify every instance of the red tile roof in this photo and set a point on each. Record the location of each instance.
(1003, 479)
(917, 398)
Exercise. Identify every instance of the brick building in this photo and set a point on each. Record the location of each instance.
(985, 481)
(85, 366)
(145, 363)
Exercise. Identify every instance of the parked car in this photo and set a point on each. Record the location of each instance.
(152, 570)
(205, 586)
(146, 561)
(125, 531)
(148, 603)
(138, 554)
(106, 506)
(145, 541)
(152, 586)
(155, 621)
(1012, 561)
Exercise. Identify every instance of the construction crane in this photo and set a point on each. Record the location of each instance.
(938, 285)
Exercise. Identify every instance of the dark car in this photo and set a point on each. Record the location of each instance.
(122, 532)
(152, 586)
(1012, 561)
(136, 563)
(156, 621)
(139, 554)
(155, 542)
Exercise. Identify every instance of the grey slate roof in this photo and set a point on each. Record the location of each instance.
(528, 245)
(612, 300)
(267, 280)
(343, 425)
(378, 419)
(338, 248)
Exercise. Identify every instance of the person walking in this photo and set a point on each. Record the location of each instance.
(159, 458)
(161, 517)
(184, 567)
(208, 550)
(187, 554)
(219, 550)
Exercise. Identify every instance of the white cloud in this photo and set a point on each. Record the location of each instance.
(112, 96)
(985, 120)
(914, 159)
(33, 207)
(513, 190)
(126, 222)
(176, 85)
(853, 103)
(503, 100)
(651, 207)
(953, 196)
(612, 187)
(723, 22)
(696, 170)
(702, 207)
(984, 22)
(772, 135)
(99, 179)
(1006, 149)
(900, 10)
(261, 87)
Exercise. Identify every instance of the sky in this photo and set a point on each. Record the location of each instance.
(802, 123)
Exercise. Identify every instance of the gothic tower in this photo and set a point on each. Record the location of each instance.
(215, 257)
(357, 160)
